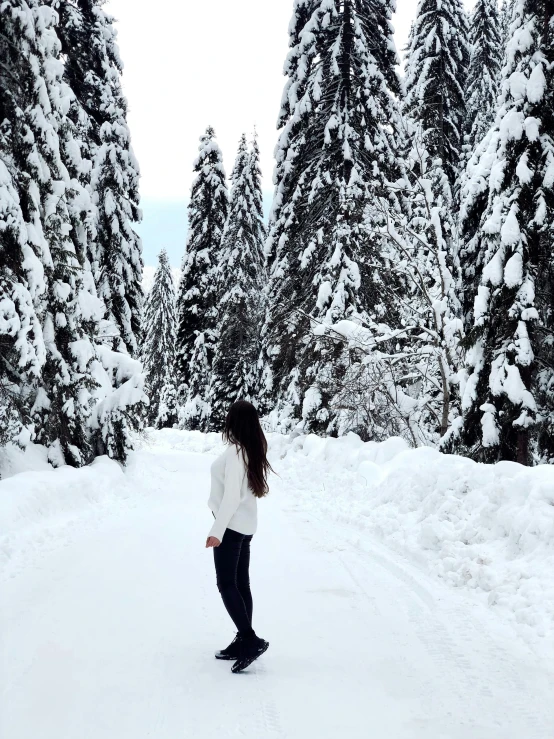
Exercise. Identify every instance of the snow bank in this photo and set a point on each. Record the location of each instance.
(36, 505)
(187, 441)
(487, 528)
(484, 528)
(14, 459)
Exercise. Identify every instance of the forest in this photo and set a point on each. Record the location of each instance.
(403, 285)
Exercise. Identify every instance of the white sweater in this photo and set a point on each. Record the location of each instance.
(231, 500)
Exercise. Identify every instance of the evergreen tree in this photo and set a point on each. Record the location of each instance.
(159, 336)
(337, 148)
(507, 225)
(241, 279)
(40, 139)
(168, 416)
(71, 311)
(93, 70)
(487, 51)
(436, 71)
(506, 13)
(48, 292)
(278, 360)
(198, 297)
(486, 54)
(22, 351)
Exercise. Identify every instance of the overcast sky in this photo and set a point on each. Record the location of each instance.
(190, 64)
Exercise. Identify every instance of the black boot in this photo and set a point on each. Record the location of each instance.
(232, 651)
(250, 648)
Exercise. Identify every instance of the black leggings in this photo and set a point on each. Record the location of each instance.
(232, 560)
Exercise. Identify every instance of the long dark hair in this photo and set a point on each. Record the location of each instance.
(242, 428)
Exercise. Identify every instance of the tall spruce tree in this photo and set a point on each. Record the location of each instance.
(241, 278)
(42, 143)
(483, 81)
(487, 51)
(507, 224)
(436, 71)
(71, 312)
(337, 148)
(93, 71)
(159, 337)
(278, 360)
(62, 385)
(198, 297)
(22, 351)
(506, 13)
(21, 344)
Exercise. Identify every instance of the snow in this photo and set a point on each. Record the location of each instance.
(513, 271)
(390, 610)
(481, 304)
(15, 459)
(536, 85)
(532, 127)
(492, 271)
(511, 126)
(311, 402)
(506, 379)
(510, 231)
(518, 83)
(491, 434)
(523, 171)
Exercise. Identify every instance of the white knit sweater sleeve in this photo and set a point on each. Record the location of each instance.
(234, 476)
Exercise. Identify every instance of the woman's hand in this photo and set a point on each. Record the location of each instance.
(212, 542)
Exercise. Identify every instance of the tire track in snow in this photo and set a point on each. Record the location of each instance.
(466, 659)
(435, 628)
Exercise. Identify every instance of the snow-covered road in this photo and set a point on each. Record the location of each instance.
(110, 634)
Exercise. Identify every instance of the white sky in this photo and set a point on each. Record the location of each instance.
(189, 64)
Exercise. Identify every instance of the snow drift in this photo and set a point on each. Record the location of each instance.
(40, 507)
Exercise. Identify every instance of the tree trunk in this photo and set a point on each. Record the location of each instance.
(523, 447)
(346, 71)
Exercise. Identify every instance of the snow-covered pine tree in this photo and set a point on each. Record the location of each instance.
(168, 411)
(157, 352)
(241, 280)
(109, 170)
(70, 309)
(506, 13)
(22, 351)
(487, 52)
(337, 147)
(483, 80)
(21, 346)
(436, 73)
(198, 295)
(40, 137)
(59, 374)
(278, 360)
(93, 70)
(507, 224)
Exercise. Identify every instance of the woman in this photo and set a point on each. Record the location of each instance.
(239, 478)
